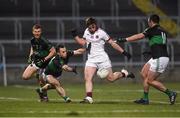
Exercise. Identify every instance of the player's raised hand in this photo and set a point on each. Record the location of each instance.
(128, 55)
(74, 32)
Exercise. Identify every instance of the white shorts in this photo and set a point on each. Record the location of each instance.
(34, 65)
(99, 65)
(159, 64)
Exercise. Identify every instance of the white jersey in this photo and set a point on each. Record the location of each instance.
(97, 40)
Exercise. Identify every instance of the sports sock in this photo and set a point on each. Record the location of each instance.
(168, 92)
(40, 89)
(145, 96)
(123, 74)
(43, 91)
(89, 94)
(65, 98)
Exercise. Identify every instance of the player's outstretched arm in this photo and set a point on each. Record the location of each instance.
(115, 46)
(131, 38)
(78, 39)
(69, 69)
(79, 51)
(119, 48)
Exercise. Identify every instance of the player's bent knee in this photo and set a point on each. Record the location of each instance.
(54, 82)
(51, 82)
(149, 82)
(25, 77)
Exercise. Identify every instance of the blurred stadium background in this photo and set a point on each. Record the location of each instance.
(120, 18)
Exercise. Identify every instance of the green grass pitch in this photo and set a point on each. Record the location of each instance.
(110, 100)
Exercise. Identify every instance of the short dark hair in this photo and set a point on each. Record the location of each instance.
(155, 18)
(59, 46)
(37, 26)
(90, 21)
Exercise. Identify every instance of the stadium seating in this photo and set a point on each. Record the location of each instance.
(14, 20)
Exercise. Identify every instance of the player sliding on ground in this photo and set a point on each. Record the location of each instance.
(159, 61)
(54, 70)
(94, 39)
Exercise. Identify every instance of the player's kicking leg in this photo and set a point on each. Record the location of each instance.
(127, 74)
(118, 75)
(89, 73)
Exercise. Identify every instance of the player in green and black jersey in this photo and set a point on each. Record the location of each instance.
(54, 70)
(157, 64)
(40, 53)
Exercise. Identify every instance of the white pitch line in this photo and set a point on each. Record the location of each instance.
(97, 90)
(77, 100)
(27, 87)
(11, 98)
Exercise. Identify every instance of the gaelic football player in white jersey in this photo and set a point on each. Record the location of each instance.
(94, 39)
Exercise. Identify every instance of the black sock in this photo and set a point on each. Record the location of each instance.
(123, 74)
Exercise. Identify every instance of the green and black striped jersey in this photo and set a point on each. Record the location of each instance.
(157, 41)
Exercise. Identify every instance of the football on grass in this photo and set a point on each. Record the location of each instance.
(102, 73)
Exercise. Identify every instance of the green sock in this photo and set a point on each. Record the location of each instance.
(65, 98)
(168, 92)
(145, 96)
(40, 89)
